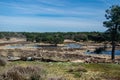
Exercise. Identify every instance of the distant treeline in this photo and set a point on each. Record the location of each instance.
(59, 37)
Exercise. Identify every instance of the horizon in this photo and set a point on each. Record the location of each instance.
(53, 15)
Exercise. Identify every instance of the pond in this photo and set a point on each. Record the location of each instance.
(70, 45)
(73, 45)
(14, 46)
(117, 52)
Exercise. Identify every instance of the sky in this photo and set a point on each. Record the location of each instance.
(53, 15)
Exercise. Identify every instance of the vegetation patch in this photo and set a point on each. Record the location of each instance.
(108, 71)
(23, 73)
(77, 71)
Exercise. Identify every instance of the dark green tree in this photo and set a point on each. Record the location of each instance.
(58, 39)
(113, 25)
(79, 37)
(30, 37)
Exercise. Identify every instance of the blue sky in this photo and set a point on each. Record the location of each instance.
(53, 15)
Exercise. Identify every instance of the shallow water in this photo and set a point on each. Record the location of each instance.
(14, 46)
(73, 45)
(70, 45)
(117, 52)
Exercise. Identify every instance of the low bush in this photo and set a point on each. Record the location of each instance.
(24, 73)
(99, 50)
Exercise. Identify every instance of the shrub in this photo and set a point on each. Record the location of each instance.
(3, 62)
(99, 50)
(24, 73)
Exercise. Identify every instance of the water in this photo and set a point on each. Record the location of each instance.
(70, 45)
(73, 45)
(21, 46)
(117, 52)
(14, 46)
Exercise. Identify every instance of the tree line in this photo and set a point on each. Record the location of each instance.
(59, 37)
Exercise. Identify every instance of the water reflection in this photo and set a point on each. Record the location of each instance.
(117, 52)
(73, 45)
(69, 45)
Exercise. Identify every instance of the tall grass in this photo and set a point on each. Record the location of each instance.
(23, 73)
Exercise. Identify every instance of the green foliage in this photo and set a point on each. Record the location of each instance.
(79, 37)
(1, 36)
(113, 23)
(11, 34)
(30, 37)
(58, 37)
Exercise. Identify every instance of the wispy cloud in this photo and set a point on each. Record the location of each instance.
(38, 21)
(52, 14)
(51, 10)
(60, 23)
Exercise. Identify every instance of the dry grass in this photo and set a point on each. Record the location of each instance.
(56, 78)
(3, 62)
(23, 73)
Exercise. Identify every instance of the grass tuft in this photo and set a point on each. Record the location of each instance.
(23, 73)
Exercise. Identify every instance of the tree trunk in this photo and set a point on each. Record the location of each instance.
(114, 38)
(113, 51)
